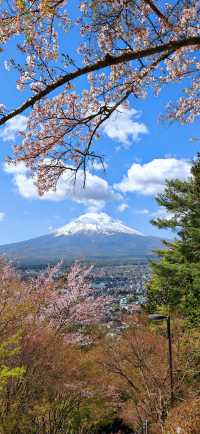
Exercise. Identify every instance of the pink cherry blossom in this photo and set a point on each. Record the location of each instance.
(125, 48)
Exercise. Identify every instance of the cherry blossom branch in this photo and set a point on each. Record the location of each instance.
(157, 11)
(109, 60)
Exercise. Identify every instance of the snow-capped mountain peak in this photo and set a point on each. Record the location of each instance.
(100, 223)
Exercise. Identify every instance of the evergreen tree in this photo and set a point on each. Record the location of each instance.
(176, 277)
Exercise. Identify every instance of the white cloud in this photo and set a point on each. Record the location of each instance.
(2, 216)
(124, 126)
(142, 211)
(95, 206)
(122, 207)
(161, 213)
(18, 123)
(149, 178)
(97, 165)
(96, 192)
(15, 168)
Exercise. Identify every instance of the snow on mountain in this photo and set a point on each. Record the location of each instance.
(94, 237)
(92, 222)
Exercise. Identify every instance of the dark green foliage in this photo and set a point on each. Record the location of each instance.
(176, 277)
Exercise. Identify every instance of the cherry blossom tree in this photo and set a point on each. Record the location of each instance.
(45, 379)
(49, 301)
(125, 48)
(67, 305)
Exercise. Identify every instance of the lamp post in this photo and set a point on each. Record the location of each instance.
(157, 317)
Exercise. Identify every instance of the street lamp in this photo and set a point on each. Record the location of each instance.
(157, 317)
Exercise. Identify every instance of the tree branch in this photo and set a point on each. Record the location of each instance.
(158, 13)
(108, 60)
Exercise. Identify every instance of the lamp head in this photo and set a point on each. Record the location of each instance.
(158, 317)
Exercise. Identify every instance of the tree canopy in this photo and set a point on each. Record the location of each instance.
(63, 368)
(124, 48)
(176, 277)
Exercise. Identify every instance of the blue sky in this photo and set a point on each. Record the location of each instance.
(140, 153)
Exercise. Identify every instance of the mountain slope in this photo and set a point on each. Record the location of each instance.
(92, 236)
(100, 223)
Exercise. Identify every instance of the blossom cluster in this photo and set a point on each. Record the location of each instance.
(124, 48)
(64, 304)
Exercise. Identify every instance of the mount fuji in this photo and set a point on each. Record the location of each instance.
(93, 237)
(92, 222)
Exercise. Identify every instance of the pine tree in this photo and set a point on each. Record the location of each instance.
(176, 276)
